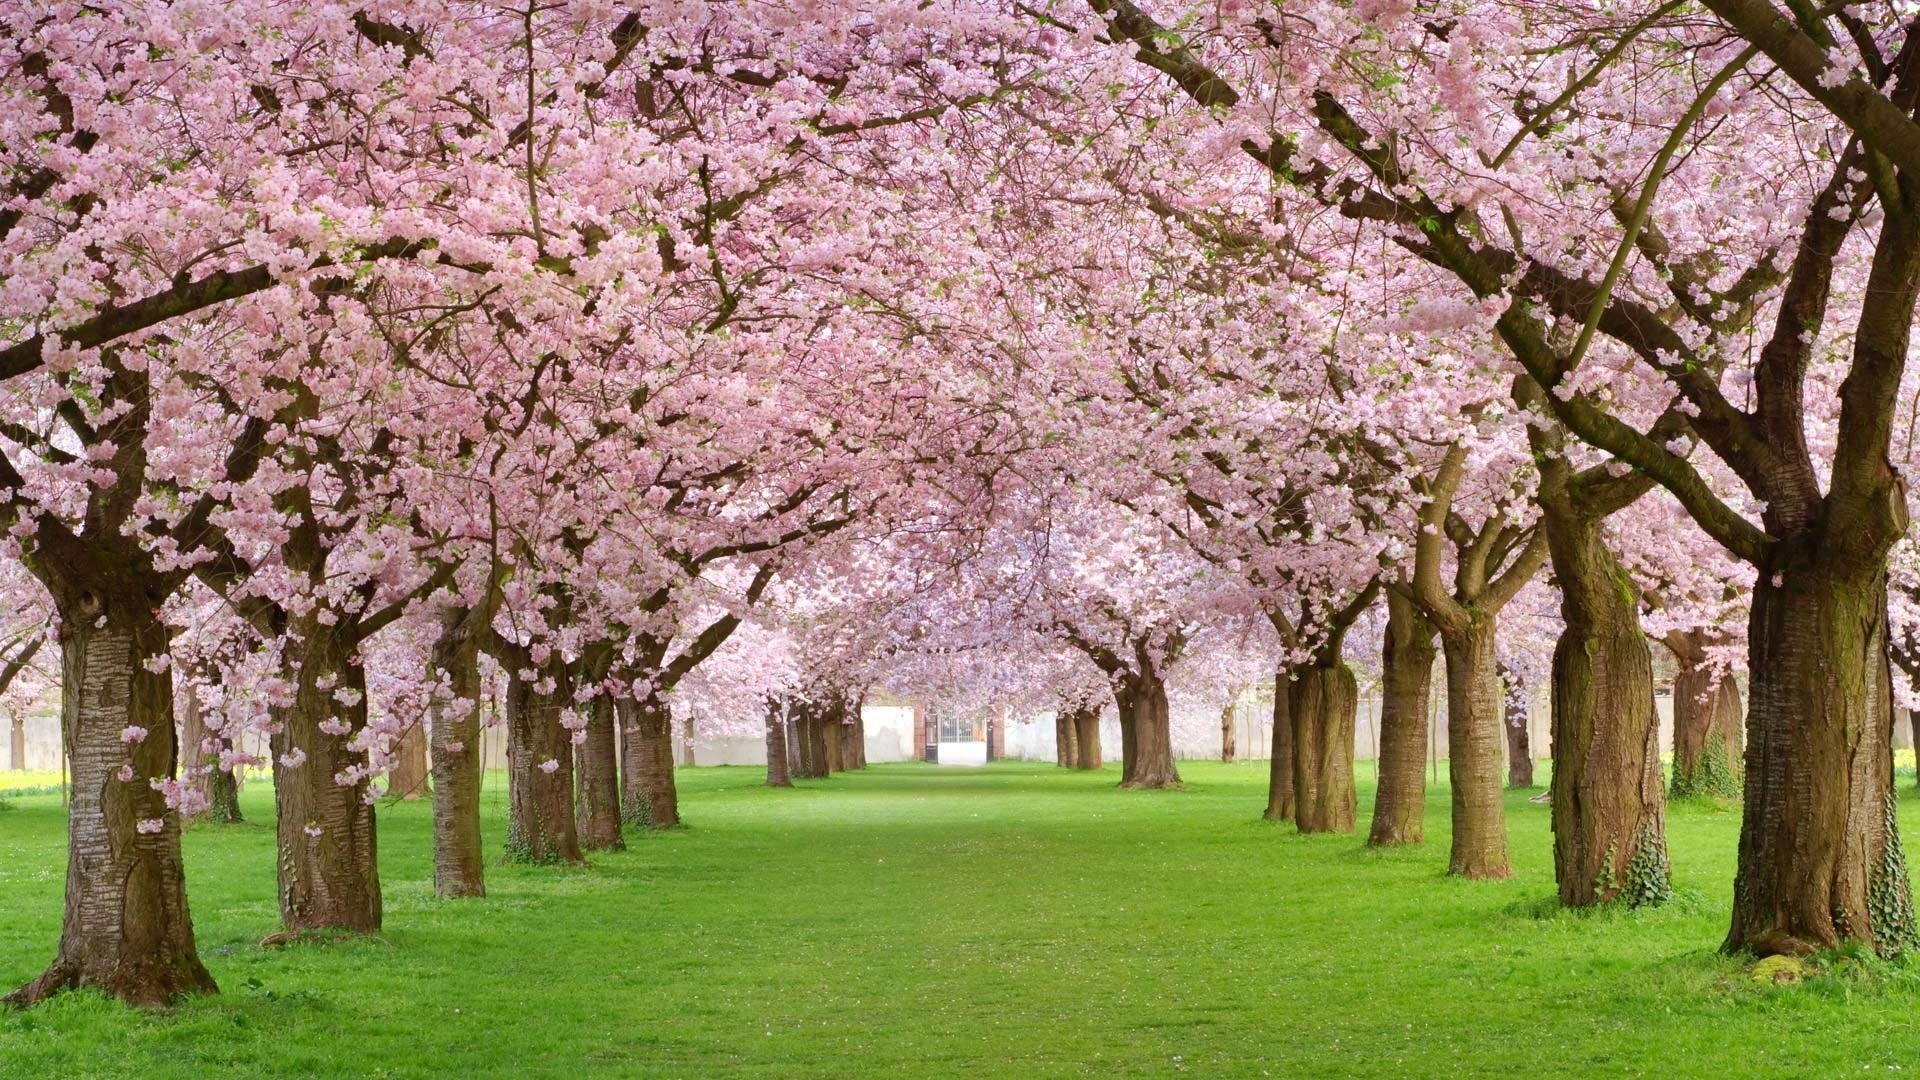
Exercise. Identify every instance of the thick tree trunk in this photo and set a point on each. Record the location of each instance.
(17, 748)
(1519, 739)
(1086, 738)
(1406, 665)
(1820, 857)
(650, 800)
(1707, 742)
(126, 930)
(540, 821)
(1609, 817)
(849, 744)
(779, 774)
(223, 790)
(1146, 733)
(1226, 729)
(329, 874)
(1063, 738)
(597, 798)
(407, 777)
(1473, 748)
(1325, 698)
(831, 723)
(193, 751)
(1280, 796)
(453, 753)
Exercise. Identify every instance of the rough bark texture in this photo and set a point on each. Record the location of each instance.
(1708, 746)
(597, 768)
(650, 799)
(1519, 739)
(407, 779)
(453, 753)
(126, 930)
(1086, 738)
(540, 822)
(1325, 698)
(778, 772)
(1280, 799)
(1820, 857)
(1406, 664)
(1473, 748)
(329, 873)
(1146, 732)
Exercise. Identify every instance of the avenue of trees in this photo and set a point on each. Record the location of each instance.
(375, 372)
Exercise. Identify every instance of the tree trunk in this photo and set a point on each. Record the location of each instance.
(1280, 797)
(540, 821)
(1086, 738)
(1226, 729)
(1146, 734)
(223, 790)
(1519, 739)
(779, 774)
(1473, 748)
(18, 744)
(831, 721)
(126, 930)
(1323, 709)
(859, 730)
(453, 754)
(193, 751)
(1609, 817)
(1820, 859)
(329, 874)
(1406, 666)
(597, 798)
(1063, 733)
(849, 744)
(407, 777)
(650, 800)
(686, 741)
(1707, 743)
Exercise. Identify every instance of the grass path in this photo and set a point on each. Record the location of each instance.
(1013, 921)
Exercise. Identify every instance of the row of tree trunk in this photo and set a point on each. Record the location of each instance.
(1076, 735)
(814, 737)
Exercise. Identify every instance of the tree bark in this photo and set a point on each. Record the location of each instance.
(597, 766)
(1280, 796)
(1820, 858)
(18, 744)
(650, 799)
(1325, 698)
(329, 872)
(540, 820)
(849, 743)
(193, 750)
(1519, 739)
(1707, 742)
(1146, 732)
(407, 778)
(1406, 664)
(1226, 729)
(779, 774)
(1086, 738)
(832, 720)
(1473, 748)
(1063, 738)
(126, 930)
(453, 754)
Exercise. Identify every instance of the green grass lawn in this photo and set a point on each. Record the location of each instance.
(1012, 921)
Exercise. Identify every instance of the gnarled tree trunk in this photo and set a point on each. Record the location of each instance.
(329, 873)
(1707, 743)
(540, 821)
(1473, 747)
(1280, 795)
(1086, 738)
(650, 799)
(778, 772)
(1406, 665)
(597, 798)
(1519, 739)
(453, 753)
(1820, 857)
(1323, 709)
(1146, 732)
(126, 930)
